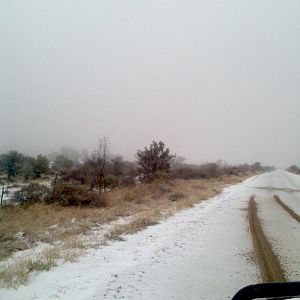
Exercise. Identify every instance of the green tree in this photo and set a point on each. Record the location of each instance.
(70, 153)
(154, 161)
(27, 169)
(40, 166)
(62, 163)
(11, 163)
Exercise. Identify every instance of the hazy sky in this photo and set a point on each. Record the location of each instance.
(212, 79)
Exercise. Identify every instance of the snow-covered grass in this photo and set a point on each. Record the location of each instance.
(17, 269)
(129, 210)
(200, 253)
(137, 223)
(50, 223)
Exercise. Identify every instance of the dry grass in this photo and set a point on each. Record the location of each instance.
(21, 228)
(15, 272)
(72, 255)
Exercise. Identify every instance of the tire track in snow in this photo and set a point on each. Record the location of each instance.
(287, 209)
(268, 262)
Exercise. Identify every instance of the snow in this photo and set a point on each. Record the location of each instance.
(281, 229)
(8, 192)
(10, 189)
(200, 253)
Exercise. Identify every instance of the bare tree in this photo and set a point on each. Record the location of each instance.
(99, 161)
(117, 165)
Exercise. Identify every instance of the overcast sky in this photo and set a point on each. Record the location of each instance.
(212, 79)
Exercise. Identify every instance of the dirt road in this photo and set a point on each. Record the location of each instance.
(268, 262)
(287, 208)
(205, 252)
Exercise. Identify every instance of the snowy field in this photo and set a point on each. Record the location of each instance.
(201, 253)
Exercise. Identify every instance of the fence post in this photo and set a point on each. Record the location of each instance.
(2, 195)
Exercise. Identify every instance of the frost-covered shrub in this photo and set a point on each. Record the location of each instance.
(31, 193)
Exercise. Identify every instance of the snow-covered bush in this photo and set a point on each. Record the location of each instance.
(31, 193)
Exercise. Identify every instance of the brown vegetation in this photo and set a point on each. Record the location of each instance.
(15, 272)
(22, 227)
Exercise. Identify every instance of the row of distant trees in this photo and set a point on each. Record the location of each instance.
(214, 169)
(101, 170)
(93, 169)
(14, 163)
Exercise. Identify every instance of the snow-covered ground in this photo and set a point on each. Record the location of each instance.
(284, 235)
(10, 189)
(8, 192)
(282, 230)
(200, 253)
